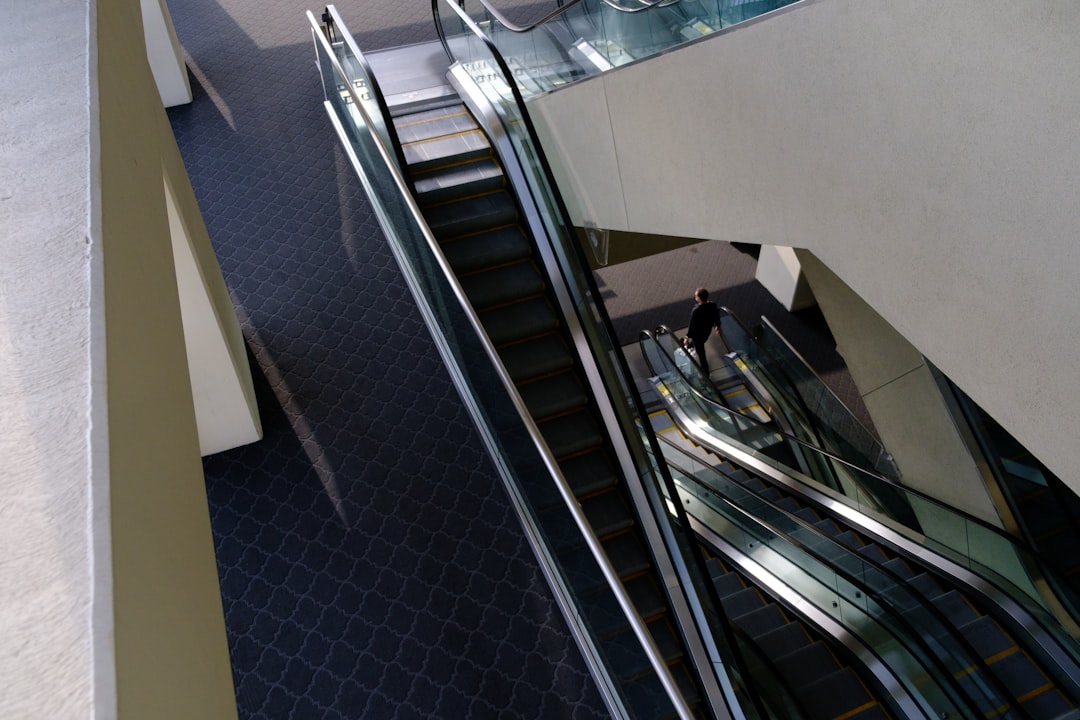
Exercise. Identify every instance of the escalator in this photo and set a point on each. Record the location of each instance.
(1009, 663)
(474, 215)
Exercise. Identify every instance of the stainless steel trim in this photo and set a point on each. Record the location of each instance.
(826, 623)
(479, 104)
(896, 534)
(562, 594)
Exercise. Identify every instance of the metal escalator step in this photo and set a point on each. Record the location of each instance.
(987, 638)
(874, 553)
(535, 357)
(589, 473)
(742, 602)
(571, 434)
(760, 621)
(648, 599)
(806, 665)
(502, 285)
(899, 567)
(808, 514)
(789, 504)
(667, 641)
(428, 154)
(783, 640)
(1021, 677)
(727, 583)
(605, 616)
(872, 712)
(607, 513)
(925, 585)
(626, 656)
(553, 395)
(496, 247)
(515, 322)
(433, 123)
(455, 181)
(828, 526)
(850, 540)
(771, 494)
(471, 215)
(835, 695)
(623, 550)
(646, 695)
(690, 692)
(956, 608)
(1050, 703)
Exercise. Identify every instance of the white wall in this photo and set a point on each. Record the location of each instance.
(928, 153)
(46, 645)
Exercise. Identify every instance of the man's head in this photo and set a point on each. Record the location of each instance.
(701, 295)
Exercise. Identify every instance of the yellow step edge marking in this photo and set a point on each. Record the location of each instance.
(459, 133)
(1037, 691)
(421, 121)
(999, 655)
(855, 711)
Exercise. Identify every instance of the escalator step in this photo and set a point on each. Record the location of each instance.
(872, 712)
(789, 504)
(471, 215)
(771, 494)
(956, 608)
(987, 638)
(647, 696)
(581, 567)
(626, 656)
(553, 395)
(648, 599)
(571, 434)
(535, 357)
(809, 515)
(518, 321)
(686, 684)
(727, 584)
(605, 616)
(807, 664)
(503, 285)
(607, 513)
(1020, 676)
(426, 155)
(899, 567)
(829, 527)
(427, 124)
(667, 641)
(742, 602)
(488, 249)
(925, 585)
(783, 640)
(626, 553)
(835, 695)
(589, 473)
(849, 540)
(760, 621)
(457, 181)
(1049, 704)
(716, 568)
(875, 553)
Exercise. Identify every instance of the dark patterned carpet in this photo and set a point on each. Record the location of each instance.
(371, 566)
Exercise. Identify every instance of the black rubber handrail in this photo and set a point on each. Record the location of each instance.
(563, 216)
(514, 27)
(916, 634)
(1028, 556)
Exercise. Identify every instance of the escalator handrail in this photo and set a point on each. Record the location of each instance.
(784, 374)
(334, 19)
(817, 377)
(1018, 543)
(855, 581)
(593, 542)
(1068, 647)
(903, 488)
(563, 216)
(515, 28)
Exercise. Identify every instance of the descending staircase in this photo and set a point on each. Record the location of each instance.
(464, 197)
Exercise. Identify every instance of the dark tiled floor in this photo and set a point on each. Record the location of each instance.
(371, 566)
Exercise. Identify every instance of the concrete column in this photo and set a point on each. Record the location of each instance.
(901, 396)
(778, 270)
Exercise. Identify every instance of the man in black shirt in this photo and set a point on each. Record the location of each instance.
(704, 317)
